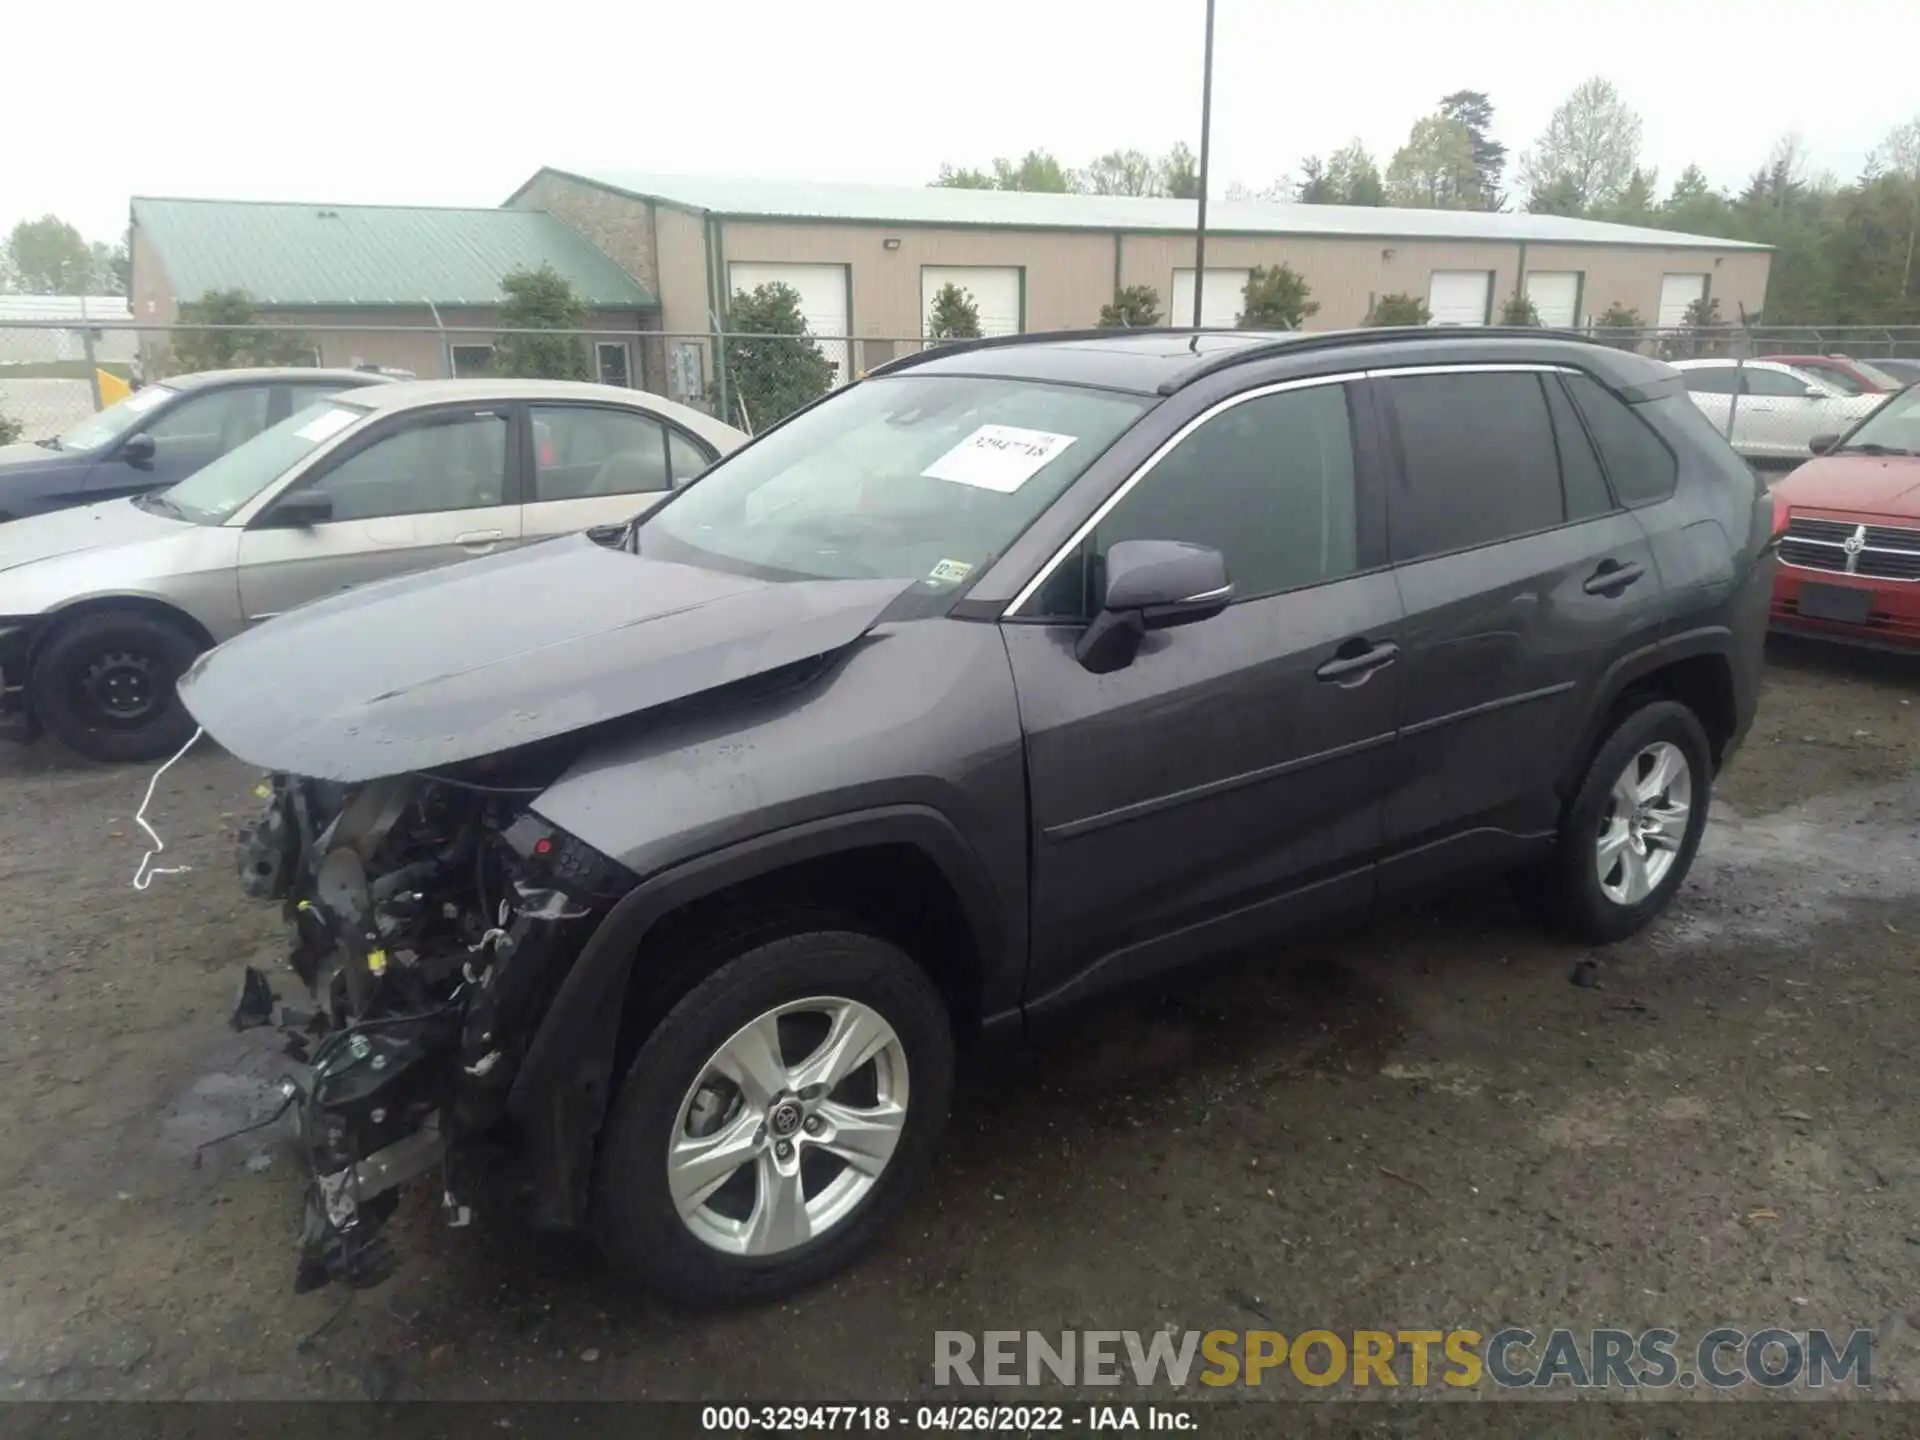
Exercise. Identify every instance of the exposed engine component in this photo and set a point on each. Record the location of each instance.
(432, 920)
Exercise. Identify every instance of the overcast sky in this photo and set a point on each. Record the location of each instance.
(428, 102)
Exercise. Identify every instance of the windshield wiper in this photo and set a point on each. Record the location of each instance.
(1871, 448)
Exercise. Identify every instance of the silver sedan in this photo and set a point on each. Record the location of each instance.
(102, 608)
(1774, 410)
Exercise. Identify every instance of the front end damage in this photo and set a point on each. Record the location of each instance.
(432, 918)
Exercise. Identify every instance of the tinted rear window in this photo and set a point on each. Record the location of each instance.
(1477, 461)
(1638, 461)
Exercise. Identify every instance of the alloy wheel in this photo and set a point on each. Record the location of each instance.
(788, 1127)
(1644, 824)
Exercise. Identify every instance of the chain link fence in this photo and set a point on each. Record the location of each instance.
(1771, 390)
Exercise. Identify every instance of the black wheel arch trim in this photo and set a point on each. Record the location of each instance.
(1629, 669)
(566, 1082)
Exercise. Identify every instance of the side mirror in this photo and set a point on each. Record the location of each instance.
(1152, 585)
(137, 449)
(301, 509)
(1821, 444)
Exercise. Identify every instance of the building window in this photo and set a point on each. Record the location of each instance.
(471, 360)
(610, 363)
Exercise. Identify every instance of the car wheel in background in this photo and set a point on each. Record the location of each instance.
(776, 1119)
(1628, 837)
(103, 684)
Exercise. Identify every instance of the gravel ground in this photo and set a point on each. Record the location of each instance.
(1424, 1124)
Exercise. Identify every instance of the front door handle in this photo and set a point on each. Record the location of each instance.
(479, 542)
(1612, 578)
(1356, 660)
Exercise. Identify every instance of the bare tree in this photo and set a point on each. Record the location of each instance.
(1899, 157)
(1588, 152)
(1122, 172)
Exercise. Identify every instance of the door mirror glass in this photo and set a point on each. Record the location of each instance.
(301, 509)
(1821, 444)
(137, 449)
(1152, 585)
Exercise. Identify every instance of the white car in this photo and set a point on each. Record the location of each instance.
(1775, 409)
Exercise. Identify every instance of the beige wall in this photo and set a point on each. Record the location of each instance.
(1069, 273)
(341, 340)
(1631, 276)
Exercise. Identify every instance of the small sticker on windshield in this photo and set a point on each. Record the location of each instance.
(949, 572)
(142, 401)
(325, 427)
(998, 457)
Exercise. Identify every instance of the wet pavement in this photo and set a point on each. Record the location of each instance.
(1422, 1124)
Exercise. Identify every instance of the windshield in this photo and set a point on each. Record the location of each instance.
(1884, 379)
(215, 491)
(1892, 429)
(115, 421)
(923, 477)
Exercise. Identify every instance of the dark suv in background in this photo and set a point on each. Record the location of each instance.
(159, 435)
(668, 868)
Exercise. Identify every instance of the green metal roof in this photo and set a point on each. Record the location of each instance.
(937, 205)
(349, 255)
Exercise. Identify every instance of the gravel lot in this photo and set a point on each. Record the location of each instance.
(1424, 1124)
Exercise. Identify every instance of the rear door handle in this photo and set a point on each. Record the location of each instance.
(1357, 659)
(1612, 578)
(479, 541)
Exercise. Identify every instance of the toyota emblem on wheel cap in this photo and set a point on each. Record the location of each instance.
(786, 1119)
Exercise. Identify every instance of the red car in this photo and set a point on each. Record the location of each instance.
(1849, 522)
(1855, 377)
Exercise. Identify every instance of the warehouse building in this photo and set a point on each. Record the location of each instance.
(658, 256)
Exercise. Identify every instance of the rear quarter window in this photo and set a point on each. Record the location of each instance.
(1643, 470)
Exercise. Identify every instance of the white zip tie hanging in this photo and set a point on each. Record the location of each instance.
(143, 877)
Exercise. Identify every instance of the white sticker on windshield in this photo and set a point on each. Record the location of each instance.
(142, 401)
(998, 457)
(949, 572)
(325, 427)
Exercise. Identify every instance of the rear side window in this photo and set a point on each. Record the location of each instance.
(1477, 461)
(1638, 461)
(1713, 380)
(1584, 485)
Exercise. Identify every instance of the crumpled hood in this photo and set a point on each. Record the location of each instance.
(1854, 484)
(87, 527)
(485, 656)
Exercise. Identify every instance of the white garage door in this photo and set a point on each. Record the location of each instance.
(1555, 295)
(823, 300)
(1221, 300)
(1460, 297)
(995, 290)
(1677, 292)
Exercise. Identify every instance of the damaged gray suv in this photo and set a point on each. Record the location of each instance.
(649, 881)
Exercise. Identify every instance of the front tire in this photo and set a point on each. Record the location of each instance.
(776, 1119)
(104, 685)
(1628, 838)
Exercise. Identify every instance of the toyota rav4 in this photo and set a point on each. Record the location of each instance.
(650, 880)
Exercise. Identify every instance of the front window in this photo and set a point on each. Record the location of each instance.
(1893, 429)
(1882, 378)
(215, 492)
(116, 421)
(920, 477)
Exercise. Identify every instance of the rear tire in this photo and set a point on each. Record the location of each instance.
(731, 1245)
(1628, 837)
(103, 685)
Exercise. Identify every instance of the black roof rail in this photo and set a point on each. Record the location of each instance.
(1294, 343)
(937, 348)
